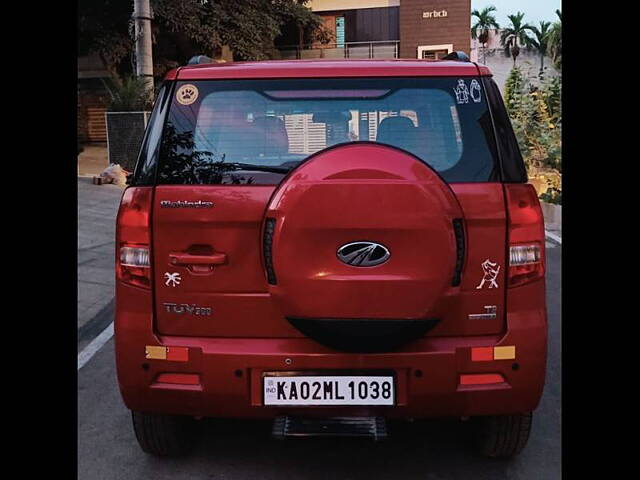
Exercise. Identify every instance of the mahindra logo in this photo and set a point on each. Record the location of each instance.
(363, 254)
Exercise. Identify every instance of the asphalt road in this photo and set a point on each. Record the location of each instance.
(97, 208)
(432, 450)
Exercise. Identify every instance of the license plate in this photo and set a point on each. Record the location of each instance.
(328, 390)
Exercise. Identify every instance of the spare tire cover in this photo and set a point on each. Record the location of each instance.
(361, 235)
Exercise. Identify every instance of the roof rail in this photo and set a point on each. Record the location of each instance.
(198, 59)
(458, 56)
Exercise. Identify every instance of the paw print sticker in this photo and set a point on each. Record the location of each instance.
(187, 94)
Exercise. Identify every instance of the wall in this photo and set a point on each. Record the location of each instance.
(326, 5)
(92, 99)
(453, 29)
(500, 65)
(92, 102)
(371, 24)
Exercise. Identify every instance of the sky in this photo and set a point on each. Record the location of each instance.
(534, 10)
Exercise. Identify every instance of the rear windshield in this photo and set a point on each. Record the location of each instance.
(254, 131)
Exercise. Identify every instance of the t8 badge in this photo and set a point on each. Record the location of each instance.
(490, 313)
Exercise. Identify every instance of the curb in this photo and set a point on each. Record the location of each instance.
(553, 237)
(552, 215)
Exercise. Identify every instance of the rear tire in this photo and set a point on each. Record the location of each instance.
(504, 436)
(164, 435)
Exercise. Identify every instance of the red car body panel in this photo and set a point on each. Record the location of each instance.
(222, 392)
(328, 68)
(226, 357)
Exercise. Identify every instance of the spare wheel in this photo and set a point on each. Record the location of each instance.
(359, 247)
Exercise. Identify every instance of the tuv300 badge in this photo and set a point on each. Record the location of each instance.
(187, 94)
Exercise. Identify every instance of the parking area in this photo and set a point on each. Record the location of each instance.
(97, 209)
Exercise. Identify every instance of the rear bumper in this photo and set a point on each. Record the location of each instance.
(229, 370)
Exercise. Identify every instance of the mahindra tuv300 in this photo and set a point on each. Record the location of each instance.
(330, 244)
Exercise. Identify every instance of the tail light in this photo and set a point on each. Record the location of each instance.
(133, 237)
(526, 234)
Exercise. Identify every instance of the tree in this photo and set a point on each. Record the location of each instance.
(513, 90)
(183, 28)
(103, 28)
(515, 36)
(484, 23)
(536, 116)
(540, 41)
(131, 94)
(555, 41)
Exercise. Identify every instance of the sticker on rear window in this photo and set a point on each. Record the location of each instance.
(474, 91)
(462, 92)
(187, 94)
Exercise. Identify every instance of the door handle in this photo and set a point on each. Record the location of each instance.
(188, 259)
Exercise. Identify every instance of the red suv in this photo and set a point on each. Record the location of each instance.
(330, 244)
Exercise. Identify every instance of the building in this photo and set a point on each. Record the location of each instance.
(426, 29)
(386, 29)
(93, 98)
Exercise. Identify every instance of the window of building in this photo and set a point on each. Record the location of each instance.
(434, 52)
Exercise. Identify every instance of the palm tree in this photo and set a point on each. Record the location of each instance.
(540, 41)
(555, 41)
(480, 30)
(515, 35)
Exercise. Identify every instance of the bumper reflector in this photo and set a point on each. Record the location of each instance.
(174, 354)
(179, 378)
(178, 354)
(504, 353)
(481, 354)
(486, 354)
(481, 378)
(155, 353)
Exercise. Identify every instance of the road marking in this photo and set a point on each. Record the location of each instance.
(554, 237)
(96, 344)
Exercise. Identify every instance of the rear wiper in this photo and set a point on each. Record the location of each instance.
(260, 168)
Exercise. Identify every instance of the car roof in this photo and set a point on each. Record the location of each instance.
(328, 68)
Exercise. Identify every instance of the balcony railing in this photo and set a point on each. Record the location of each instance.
(381, 49)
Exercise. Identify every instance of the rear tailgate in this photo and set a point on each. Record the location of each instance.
(209, 279)
(217, 287)
(230, 299)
